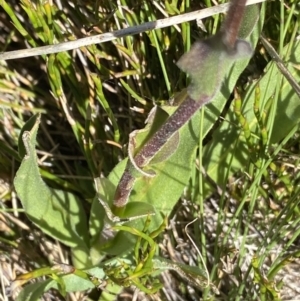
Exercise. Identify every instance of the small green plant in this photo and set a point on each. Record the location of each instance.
(134, 199)
(60, 214)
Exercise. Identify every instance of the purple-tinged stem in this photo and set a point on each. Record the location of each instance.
(232, 23)
(181, 116)
(228, 34)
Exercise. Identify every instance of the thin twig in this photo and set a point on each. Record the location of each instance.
(110, 36)
(280, 64)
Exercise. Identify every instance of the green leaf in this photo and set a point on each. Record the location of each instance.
(208, 60)
(193, 274)
(34, 291)
(100, 223)
(57, 213)
(98, 220)
(71, 283)
(267, 288)
(220, 152)
(106, 191)
(172, 175)
(210, 55)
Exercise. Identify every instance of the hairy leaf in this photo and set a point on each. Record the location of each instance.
(221, 150)
(56, 212)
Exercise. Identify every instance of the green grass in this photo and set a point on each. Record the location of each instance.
(92, 98)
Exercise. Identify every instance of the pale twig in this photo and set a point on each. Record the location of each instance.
(110, 36)
(280, 64)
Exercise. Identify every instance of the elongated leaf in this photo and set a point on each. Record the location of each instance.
(34, 291)
(193, 274)
(220, 151)
(100, 222)
(72, 283)
(57, 213)
(172, 175)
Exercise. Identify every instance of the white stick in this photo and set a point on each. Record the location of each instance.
(105, 37)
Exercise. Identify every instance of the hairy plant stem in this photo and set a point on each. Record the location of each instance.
(180, 117)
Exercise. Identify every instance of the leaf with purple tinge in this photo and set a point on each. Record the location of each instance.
(208, 61)
(212, 55)
(172, 174)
